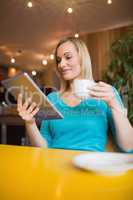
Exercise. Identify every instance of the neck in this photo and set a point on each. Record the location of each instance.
(71, 86)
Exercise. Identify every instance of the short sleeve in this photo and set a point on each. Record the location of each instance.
(45, 132)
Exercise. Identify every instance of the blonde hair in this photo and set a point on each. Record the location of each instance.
(85, 61)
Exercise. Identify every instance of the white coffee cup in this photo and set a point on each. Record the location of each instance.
(82, 86)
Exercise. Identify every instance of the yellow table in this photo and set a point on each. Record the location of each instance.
(28, 173)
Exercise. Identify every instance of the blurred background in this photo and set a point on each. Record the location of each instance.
(30, 30)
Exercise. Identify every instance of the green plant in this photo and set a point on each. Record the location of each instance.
(120, 70)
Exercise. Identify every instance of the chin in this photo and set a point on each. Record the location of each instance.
(68, 78)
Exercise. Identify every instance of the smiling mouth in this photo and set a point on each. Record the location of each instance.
(65, 71)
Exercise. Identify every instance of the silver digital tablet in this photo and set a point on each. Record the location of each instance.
(23, 83)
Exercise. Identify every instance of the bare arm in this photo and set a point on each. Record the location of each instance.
(34, 134)
(124, 130)
(27, 112)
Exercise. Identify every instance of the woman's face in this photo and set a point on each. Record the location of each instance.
(68, 61)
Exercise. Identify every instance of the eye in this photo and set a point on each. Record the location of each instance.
(68, 57)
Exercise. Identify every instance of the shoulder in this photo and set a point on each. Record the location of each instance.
(118, 96)
(116, 91)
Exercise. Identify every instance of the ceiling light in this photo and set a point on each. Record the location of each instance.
(76, 35)
(29, 4)
(44, 62)
(33, 73)
(11, 71)
(109, 1)
(51, 56)
(69, 10)
(13, 60)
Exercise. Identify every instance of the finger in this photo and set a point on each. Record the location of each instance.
(19, 102)
(26, 104)
(103, 84)
(97, 94)
(32, 107)
(108, 97)
(35, 111)
(99, 89)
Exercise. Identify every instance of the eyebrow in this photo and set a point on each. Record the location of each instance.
(67, 52)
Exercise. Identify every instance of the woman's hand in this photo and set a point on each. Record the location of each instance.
(104, 92)
(27, 110)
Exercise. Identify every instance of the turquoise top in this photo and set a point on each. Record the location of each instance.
(84, 126)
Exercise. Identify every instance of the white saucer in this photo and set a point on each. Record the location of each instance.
(105, 163)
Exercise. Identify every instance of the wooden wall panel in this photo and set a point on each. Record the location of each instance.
(99, 45)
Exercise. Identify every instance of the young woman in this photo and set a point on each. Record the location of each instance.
(85, 123)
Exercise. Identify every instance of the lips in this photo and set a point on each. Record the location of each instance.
(65, 71)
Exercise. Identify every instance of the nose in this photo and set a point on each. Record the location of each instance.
(62, 63)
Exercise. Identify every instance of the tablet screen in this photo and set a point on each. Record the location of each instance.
(23, 83)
